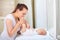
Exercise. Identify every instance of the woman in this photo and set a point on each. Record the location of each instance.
(13, 21)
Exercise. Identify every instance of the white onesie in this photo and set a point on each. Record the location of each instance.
(29, 32)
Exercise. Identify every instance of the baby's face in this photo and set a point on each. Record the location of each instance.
(41, 32)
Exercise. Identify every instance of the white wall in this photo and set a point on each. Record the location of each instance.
(58, 17)
(6, 7)
(51, 12)
(57, 20)
(40, 13)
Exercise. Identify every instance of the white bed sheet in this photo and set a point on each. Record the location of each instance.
(35, 37)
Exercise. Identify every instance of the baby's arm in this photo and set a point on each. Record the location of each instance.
(22, 29)
(24, 26)
(27, 24)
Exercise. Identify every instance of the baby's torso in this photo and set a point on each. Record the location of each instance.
(29, 32)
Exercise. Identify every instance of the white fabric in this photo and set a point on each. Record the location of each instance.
(35, 37)
(4, 34)
(30, 32)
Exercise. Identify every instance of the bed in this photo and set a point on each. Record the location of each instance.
(35, 37)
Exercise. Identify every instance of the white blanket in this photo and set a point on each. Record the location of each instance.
(36, 37)
(26, 36)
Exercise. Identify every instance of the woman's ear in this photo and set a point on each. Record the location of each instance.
(17, 10)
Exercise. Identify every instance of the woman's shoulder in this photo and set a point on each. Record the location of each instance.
(9, 16)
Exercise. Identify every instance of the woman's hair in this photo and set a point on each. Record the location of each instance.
(20, 7)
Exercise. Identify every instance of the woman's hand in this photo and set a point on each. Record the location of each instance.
(21, 21)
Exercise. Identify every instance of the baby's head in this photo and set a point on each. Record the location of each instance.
(41, 32)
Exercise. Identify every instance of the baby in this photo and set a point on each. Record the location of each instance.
(27, 30)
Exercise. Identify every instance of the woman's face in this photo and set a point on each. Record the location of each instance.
(22, 13)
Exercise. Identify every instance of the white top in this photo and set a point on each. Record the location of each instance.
(4, 34)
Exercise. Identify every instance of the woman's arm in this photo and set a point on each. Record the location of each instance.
(10, 28)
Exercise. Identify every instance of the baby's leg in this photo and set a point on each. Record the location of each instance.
(23, 28)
